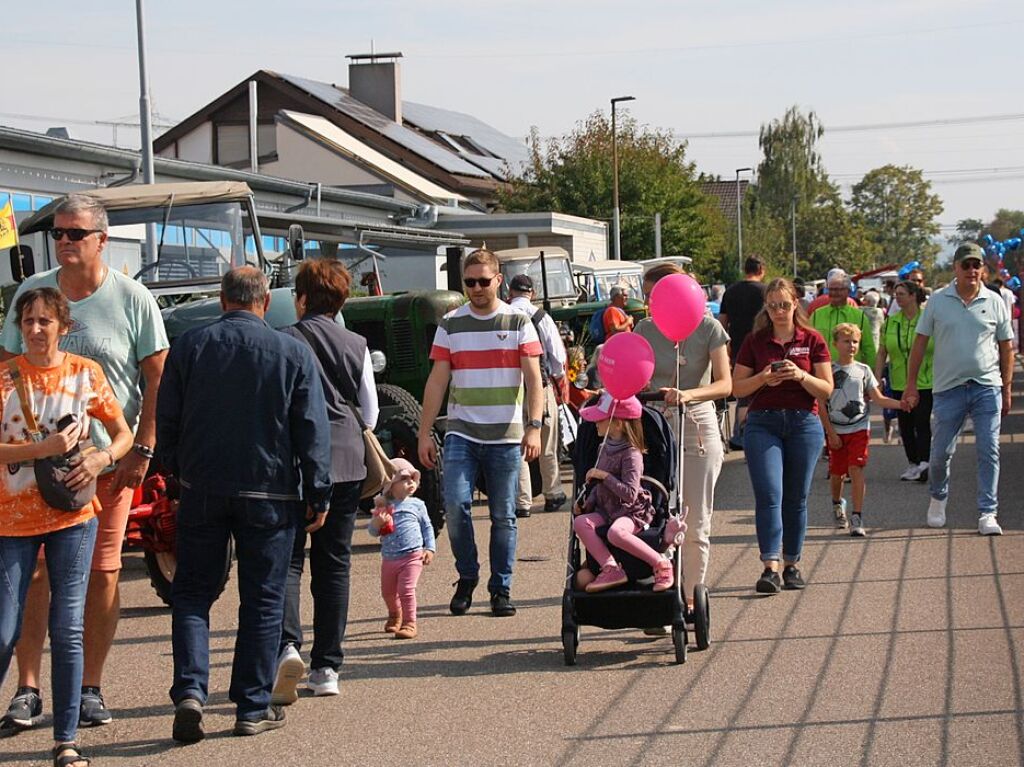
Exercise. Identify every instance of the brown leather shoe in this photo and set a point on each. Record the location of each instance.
(393, 623)
(408, 631)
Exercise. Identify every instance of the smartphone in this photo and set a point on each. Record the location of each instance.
(778, 365)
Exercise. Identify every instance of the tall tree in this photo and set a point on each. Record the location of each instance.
(791, 168)
(900, 210)
(967, 230)
(829, 235)
(573, 175)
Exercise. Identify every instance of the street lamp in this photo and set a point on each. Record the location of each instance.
(616, 243)
(739, 221)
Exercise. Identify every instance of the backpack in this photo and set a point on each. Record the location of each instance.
(596, 326)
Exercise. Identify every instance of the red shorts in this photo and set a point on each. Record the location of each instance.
(854, 452)
(113, 520)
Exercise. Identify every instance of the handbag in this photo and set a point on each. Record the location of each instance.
(51, 471)
(379, 469)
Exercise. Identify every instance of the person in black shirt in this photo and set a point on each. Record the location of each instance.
(740, 304)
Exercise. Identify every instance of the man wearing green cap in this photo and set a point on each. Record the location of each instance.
(972, 377)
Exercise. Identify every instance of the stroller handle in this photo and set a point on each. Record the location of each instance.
(651, 396)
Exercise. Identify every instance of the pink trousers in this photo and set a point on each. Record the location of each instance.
(398, 579)
(621, 535)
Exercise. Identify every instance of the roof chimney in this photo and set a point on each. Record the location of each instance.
(376, 80)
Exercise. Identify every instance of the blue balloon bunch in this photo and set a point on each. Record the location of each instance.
(907, 268)
(996, 251)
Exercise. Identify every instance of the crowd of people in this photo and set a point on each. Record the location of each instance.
(86, 342)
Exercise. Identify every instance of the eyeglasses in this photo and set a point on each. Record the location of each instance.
(472, 282)
(75, 235)
(919, 280)
(779, 306)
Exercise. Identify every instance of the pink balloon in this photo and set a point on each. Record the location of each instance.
(626, 364)
(677, 306)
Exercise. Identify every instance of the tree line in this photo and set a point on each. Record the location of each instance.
(890, 217)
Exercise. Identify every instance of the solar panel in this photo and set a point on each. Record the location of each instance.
(406, 137)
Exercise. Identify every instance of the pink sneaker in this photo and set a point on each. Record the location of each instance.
(675, 531)
(664, 576)
(611, 576)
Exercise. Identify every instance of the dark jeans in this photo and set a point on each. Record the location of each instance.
(781, 448)
(264, 531)
(330, 565)
(916, 427)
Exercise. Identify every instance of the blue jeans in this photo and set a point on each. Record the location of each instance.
(949, 409)
(781, 448)
(68, 556)
(264, 532)
(463, 460)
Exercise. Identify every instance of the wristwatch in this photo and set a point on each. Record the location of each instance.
(144, 450)
(533, 422)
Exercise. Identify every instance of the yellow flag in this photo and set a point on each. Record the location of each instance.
(8, 227)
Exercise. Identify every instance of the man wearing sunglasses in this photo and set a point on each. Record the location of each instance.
(487, 350)
(972, 375)
(117, 323)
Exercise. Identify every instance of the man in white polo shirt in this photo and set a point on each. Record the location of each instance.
(972, 377)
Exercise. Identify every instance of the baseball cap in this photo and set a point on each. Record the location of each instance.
(607, 407)
(969, 250)
(521, 282)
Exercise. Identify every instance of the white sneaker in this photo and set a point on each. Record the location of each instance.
(839, 512)
(290, 669)
(323, 681)
(912, 472)
(937, 513)
(987, 525)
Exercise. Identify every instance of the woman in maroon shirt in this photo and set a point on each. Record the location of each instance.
(783, 367)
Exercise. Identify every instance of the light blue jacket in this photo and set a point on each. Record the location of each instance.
(413, 531)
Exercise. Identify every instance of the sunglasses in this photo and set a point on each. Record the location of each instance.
(779, 306)
(970, 263)
(472, 282)
(75, 235)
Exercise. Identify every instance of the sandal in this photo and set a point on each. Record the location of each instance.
(67, 754)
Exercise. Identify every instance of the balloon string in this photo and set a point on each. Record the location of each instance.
(600, 450)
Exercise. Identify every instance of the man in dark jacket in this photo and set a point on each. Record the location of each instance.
(241, 421)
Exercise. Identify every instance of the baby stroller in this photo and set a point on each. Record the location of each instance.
(633, 605)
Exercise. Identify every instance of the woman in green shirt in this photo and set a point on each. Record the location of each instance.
(896, 339)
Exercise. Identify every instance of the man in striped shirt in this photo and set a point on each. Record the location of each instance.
(487, 351)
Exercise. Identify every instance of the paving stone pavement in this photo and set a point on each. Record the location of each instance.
(905, 649)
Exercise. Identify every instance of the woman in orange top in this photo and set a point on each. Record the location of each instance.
(56, 384)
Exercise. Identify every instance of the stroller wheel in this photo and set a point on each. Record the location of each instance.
(679, 643)
(701, 616)
(570, 641)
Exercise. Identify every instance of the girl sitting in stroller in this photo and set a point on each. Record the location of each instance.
(617, 498)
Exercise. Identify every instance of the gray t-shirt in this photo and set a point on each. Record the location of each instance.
(695, 351)
(848, 405)
(118, 326)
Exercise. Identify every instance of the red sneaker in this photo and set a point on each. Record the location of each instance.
(664, 576)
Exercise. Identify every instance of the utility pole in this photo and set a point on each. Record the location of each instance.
(792, 218)
(739, 223)
(616, 236)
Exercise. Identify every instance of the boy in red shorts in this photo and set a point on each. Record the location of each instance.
(847, 424)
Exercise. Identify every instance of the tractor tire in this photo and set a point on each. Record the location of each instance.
(161, 566)
(389, 395)
(404, 429)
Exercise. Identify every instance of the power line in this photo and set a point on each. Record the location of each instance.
(55, 120)
(942, 122)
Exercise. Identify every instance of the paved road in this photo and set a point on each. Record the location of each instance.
(905, 649)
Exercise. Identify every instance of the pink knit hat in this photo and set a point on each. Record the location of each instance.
(404, 470)
(627, 409)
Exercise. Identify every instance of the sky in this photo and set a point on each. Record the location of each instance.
(698, 69)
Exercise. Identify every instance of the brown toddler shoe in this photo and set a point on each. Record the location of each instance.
(408, 631)
(393, 623)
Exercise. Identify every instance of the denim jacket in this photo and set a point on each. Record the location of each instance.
(241, 413)
(413, 531)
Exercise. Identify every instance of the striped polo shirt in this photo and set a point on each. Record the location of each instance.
(485, 400)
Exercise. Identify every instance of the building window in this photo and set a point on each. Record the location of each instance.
(233, 143)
